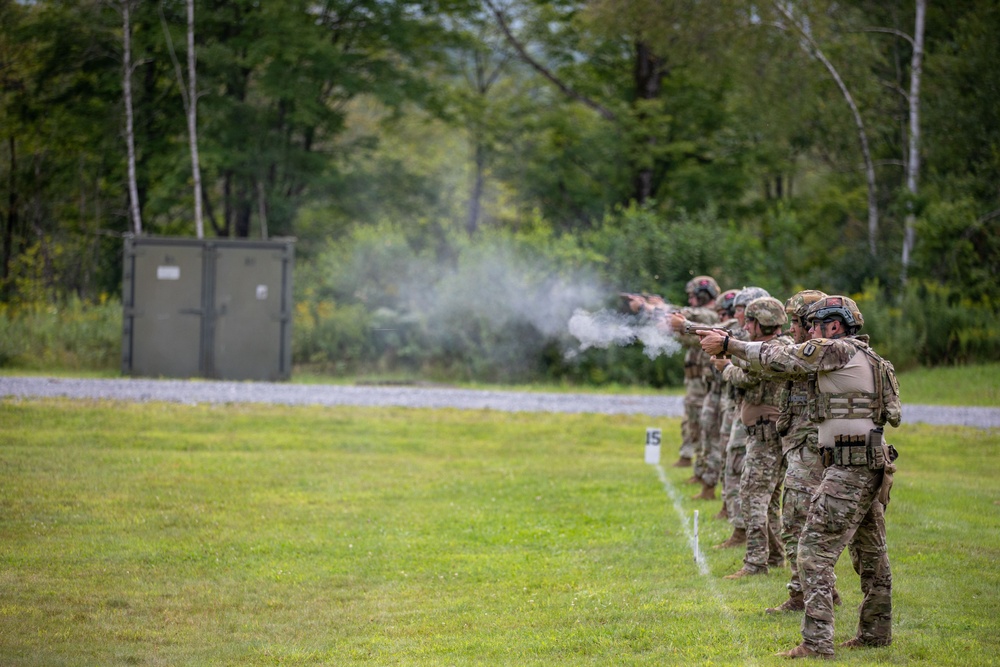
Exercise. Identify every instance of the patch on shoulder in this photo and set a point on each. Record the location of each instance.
(812, 349)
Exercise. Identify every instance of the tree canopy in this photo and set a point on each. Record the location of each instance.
(767, 139)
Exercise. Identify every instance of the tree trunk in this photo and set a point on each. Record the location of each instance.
(262, 208)
(199, 223)
(244, 209)
(817, 53)
(476, 196)
(133, 190)
(913, 161)
(648, 82)
(12, 217)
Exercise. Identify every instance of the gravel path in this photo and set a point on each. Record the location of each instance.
(208, 391)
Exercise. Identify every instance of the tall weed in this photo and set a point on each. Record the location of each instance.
(71, 334)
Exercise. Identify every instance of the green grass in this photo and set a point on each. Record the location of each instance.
(977, 384)
(154, 534)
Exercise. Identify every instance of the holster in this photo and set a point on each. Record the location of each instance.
(826, 456)
(874, 450)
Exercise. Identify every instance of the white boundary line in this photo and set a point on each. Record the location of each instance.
(702, 563)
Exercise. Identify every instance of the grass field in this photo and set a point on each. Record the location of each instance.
(154, 534)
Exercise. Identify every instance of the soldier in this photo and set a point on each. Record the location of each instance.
(701, 293)
(717, 407)
(853, 395)
(800, 447)
(763, 468)
(725, 396)
(736, 437)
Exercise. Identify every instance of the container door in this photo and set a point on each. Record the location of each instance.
(249, 290)
(166, 311)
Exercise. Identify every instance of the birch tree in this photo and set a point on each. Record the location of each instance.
(913, 160)
(792, 23)
(189, 96)
(133, 190)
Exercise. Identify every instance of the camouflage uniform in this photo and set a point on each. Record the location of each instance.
(803, 473)
(848, 509)
(695, 387)
(708, 463)
(719, 458)
(763, 467)
(800, 447)
(736, 451)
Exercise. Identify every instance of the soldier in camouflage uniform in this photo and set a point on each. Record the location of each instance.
(853, 395)
(736, 437)
(800, 447)
(724, 306)
(701, 293)
(708, 462)
(763, 468)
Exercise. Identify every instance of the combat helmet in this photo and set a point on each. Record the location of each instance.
(725, 300)
(842, 306)
(703, 284)
(798, 304)
(767, 311)
(748, 294)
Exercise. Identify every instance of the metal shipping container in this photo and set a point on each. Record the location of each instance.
(216, 308)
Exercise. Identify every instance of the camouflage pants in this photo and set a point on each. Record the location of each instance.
(736, 449)
(708, 465)
(760, 495)
(802, 477)
(694, 397)
(846, 513)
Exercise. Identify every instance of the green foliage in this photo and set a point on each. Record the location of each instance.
(418, 122)
(931, 325)
(645, 250)
(66, 335)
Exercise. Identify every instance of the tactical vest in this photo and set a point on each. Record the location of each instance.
(865, 389)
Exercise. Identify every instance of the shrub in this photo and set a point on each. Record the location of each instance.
(930, 325)
(69, 334)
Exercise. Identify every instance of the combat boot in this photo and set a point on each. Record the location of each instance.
(723, 513)
(738, 538)
(803, 651)
(795, 602)
(683, 462)
(836, 598)
(745, 572)
(693, 479)
(858, 642)
(707, 493)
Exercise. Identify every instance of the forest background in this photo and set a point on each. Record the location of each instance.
(462, 176)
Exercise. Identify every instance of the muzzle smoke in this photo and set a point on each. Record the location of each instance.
(606, 328)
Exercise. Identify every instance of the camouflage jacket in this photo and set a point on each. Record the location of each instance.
(695, 359)
(855, 389)
(761, 392)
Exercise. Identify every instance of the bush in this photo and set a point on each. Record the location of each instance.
(931, 325)
(68, 335)
(494, 309)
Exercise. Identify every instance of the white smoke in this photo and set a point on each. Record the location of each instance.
(606, 328)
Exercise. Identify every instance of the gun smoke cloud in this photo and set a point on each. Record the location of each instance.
(606, 328)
